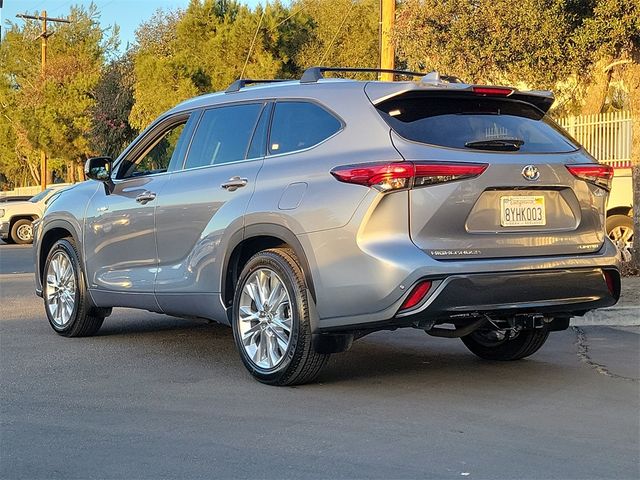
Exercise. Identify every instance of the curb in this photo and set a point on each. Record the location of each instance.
(613, 316)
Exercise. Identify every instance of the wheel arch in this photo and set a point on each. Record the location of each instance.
(51, 233)
(258, 237)
(620, 211)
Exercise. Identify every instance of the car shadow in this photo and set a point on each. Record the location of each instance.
(405, 357)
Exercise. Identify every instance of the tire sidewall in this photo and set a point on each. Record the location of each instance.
(615, 221)
(277, 265)
(65, 246)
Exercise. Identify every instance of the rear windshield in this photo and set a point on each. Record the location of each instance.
(474, 123)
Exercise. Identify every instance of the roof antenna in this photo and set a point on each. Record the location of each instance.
(431, 78)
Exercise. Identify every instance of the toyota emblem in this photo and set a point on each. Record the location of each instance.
(531, 173)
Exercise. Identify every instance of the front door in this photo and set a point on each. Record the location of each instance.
(119, 236)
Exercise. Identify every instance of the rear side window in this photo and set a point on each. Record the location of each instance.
(300, 125)
(223, 135)
(474, 123)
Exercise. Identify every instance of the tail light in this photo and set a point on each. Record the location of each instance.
(416, 295)
(596, 174)
(389, 176)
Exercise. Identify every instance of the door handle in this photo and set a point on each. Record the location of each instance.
(145, 197)
(234, 183)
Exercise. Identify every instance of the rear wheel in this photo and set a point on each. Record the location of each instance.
(505, 344)
(66, 299)
(271, 322)
(22, 232)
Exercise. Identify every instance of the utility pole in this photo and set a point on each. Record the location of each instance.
(44, 35)
(387, 52)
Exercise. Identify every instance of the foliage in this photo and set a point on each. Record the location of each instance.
(208, 46)
(113, 100)
(50, 111)
(344, 33)
(547, 44)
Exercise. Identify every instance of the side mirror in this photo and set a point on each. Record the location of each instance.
(99, 169)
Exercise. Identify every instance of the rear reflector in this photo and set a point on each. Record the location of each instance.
(611, 283)
(398, 175)
(492, 91)
(416, 295)
(594, 173)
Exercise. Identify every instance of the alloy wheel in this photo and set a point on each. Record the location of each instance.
(60, 289)
(622, 236)
(265, 318)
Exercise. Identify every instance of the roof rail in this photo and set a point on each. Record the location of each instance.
(313, 74)
(243, 82)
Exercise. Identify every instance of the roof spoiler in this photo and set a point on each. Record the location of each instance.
(379, 92)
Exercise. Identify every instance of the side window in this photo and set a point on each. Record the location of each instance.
(157, 158)
(300, 125)
(223, 135)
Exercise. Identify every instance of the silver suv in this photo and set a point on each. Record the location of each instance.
(307, 214)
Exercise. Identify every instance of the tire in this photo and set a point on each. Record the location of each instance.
(620, 231)
(270, 353)
(525, 343)
(81, 319)
(21, 232)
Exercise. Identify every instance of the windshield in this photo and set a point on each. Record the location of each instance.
(41, 195)
(472, 122)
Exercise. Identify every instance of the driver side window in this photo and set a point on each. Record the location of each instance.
(158, 156)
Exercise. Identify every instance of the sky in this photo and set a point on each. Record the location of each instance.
(128, 14)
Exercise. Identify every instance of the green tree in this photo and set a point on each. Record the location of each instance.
(52, 111)
(113, 97)
(206, 47)
(344, 33)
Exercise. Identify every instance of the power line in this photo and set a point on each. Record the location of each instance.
(246, 60)
(337, 32)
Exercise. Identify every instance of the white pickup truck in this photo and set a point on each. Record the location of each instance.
(619, 211)
(16, 217)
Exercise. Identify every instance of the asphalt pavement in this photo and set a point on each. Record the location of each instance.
(153, 396)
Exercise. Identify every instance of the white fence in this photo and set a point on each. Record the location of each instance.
(607, 136)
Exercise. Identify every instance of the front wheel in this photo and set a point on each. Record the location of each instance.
(66, 300)
(505, 344)
(271, 322)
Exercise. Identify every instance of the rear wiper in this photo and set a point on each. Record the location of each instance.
(499, 144)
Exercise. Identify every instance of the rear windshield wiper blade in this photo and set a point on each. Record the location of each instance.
(500, 144)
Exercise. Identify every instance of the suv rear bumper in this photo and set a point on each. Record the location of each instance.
(567, 291)
(556, 293)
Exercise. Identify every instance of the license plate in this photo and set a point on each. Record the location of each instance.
(522, 211)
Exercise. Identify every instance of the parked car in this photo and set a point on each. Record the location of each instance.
(16, 217)
(307, 214)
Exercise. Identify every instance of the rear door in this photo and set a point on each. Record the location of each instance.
(204, 202)
(525, 203)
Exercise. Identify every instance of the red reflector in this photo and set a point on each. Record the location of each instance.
(416, 295)
(495, 91)
(399, 175)
(595, 173)
(608, 276)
